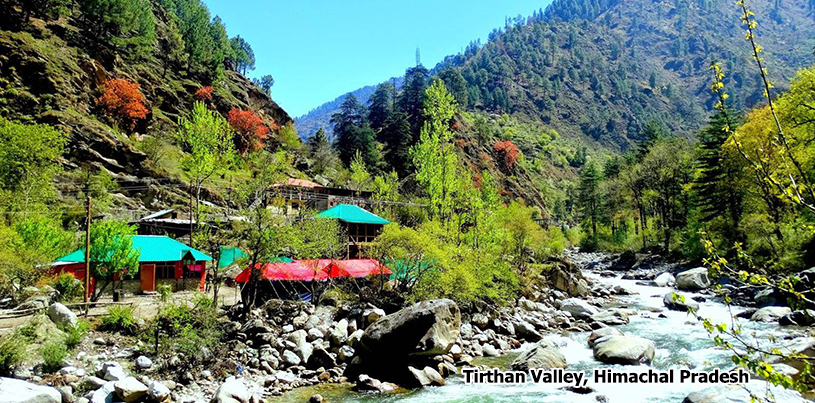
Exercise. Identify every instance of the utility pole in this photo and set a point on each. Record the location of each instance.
(191, 216)
(88, 256)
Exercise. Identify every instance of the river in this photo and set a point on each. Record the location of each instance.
(680, 342)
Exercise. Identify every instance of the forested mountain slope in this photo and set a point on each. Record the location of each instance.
(603, 69)
(55, 62)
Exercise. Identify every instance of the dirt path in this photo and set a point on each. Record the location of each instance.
(146, 306)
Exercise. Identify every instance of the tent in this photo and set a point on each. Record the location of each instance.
(293, 271)
(362, 267)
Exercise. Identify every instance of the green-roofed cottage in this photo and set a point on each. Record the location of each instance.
(161, 259)
(361, 225)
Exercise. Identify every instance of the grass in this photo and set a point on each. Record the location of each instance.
(120, 319)
(12, 352)
(53, 354)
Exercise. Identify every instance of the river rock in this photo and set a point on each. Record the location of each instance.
(232, 391)
(367, 384)
(290, 357)
(157, 391)
(744, 393)
(578, 308)
(526, 331)
(372, 315)
(354, 338)
(626, 350)
(314, 334)
(345, 353)
(611, 317)
(425, 377)
(599, 333)
(665, 279)
(143, 362)
(693, 279)
(766, 297)
(798, 318)
(481, 320)
(320, 357)
(113, 371)
(15, 390)
(770, 313)
(674, 303)
(338, 334)
(544, 354)
(489, 350)
(61, 315)
(302, 348)
(428, 328)
(130, 389)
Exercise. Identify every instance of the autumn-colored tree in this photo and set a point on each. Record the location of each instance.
(122, 100)
(251, 132)
(508, 151)
(203, 94)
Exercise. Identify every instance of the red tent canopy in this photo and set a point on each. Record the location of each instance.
(320, 269)
(294, 271)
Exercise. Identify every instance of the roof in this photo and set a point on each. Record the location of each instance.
(157, 214)
(303, 183)
(353, 214)
(153, 248)
(318, 269)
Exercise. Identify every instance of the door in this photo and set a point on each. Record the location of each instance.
(148, 277)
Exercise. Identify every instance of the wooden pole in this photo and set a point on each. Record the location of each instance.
(88, 256)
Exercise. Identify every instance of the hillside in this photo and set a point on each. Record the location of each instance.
(320, 116)
(53, 72)
(601, 70)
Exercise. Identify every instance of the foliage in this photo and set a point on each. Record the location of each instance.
(53, 355)
(29, 157)
(508, 151)
(127, 24)
(242, 58)
(12, 352)
(203, 94)
(122, 101)
(112, 252)
(74, 334)
(251, 132)
(265, 83)
(354, 134)
(190, 330)
(68, 286)
(120, 319)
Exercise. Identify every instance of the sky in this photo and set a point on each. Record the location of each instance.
(317, 50)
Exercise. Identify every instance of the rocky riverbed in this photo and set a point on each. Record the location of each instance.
(599, 311)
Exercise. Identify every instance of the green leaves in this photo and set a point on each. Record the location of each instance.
(112, 249)
(207, 140)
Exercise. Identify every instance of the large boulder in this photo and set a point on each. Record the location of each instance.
(428, 328)
(578, 308)
(112, 371)
(760, 390)
(770, 313)
(603, 332)
(570, 283)
(303, 348)
(15, 390)
(157, 391)
(425, 377)
(232, 391)
(367, 384)
(798, 318)
(679, 302)
(693, 279)
(526, 331)
(626, 350)
(611, 317)
(104, 394)
(61, 315)
(544, 354)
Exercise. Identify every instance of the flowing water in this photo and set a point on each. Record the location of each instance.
(680, 342)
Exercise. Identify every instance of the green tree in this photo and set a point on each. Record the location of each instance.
(353, 133)
(207, 140)
(359, 174)
(590, 197)
(243, 57)
(112, 253)
(455, 82)
(434, 156)
(397, 140)
(123, 24)
(29, 159)
(380, 105)
(412, 100)
(265, 83)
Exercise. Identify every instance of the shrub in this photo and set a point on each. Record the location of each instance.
(74, 335)
(203, 94)
(68, 286)
(508, 151)
(250, 129)
(120, 319)
(189, 331)
(12, 350)
(122, 100)
(164, 292)
(53, 355)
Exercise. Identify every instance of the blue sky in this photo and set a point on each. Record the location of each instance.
(320, 49)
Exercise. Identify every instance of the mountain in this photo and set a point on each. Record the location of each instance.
(54, 68)
(600, 70)
(320, 116)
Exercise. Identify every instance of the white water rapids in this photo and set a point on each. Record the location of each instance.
(680, 342)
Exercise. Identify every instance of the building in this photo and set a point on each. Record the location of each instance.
(300, 195)
(361, 227)
(164, 222)
(161, 260)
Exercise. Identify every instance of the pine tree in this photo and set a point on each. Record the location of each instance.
(456, 84)
(396, 140)
(411, 101)
(380, 105)
(353, 133)
(590, 202)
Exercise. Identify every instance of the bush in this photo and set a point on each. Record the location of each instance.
(53, 355)
(74, 335)
(68, 286)
(250, 129)
(164, 292)
(122, 100)
(12, 350)
(120, 319)
(188, 331)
